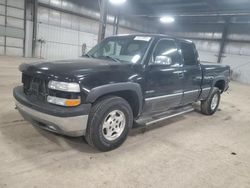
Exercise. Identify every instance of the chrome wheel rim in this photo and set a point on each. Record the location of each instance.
(214, 101)
(113, 125)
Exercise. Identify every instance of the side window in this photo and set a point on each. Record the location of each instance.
(166, 53)
(188, 53)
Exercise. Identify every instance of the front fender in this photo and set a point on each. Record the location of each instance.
(99, 91)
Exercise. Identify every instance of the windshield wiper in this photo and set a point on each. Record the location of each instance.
(112, 58)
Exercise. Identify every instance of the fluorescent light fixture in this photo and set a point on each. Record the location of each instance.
(167, 19)
(117, 2)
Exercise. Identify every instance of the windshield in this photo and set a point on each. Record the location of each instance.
(128, 49)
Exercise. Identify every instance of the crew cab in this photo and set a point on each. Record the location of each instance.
(123, 81)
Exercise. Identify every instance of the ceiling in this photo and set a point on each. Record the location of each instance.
(191, 11)
(191, 7)
(184, 11)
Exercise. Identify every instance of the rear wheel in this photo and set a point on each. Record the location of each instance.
(109, 122)
(210, 105)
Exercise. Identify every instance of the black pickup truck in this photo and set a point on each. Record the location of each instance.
(123, 81)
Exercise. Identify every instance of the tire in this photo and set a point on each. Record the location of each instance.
(110, 111)
(208, 106)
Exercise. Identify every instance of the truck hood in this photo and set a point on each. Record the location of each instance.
(68, 68)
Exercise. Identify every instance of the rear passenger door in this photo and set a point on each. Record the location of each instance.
(192, 72)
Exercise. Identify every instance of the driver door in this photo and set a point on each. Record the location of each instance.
(164, 78)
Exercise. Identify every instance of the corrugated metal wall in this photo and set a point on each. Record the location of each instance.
(65, 33)
(236, 53)
(12, 27)
(207, 39)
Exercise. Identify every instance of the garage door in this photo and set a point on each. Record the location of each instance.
(12, 27)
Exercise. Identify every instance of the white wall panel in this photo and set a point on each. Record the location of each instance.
(75, 22)
(87, 25)
(13, 22)
(64, 33)
(2, 20)
(2, 9)
(14, 51)
(240, 66)
(13, 29)
(69, 36)
(109, 30)
(207, 56)
(2, 41)
(232, 48)
(245, 49)
(54, 17)
(14, 32)
(15, 12)
(244, 37)
(14, 42)
(209, 46)
(217, 35)
(66, 40)
(2, 30)
(95, 27)
(87, 38)
(43, 15)
(66, 20)
(2, 2)
(58, 51)
(16, 3)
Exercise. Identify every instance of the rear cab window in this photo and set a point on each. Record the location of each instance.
(189, 53)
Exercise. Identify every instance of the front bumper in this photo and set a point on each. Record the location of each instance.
(62, 120)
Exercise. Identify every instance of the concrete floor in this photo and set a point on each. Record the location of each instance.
(188, 151)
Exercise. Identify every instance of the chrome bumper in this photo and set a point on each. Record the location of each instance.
(70, 126)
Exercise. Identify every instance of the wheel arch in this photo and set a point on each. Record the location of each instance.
(131, 92)
(220, 83)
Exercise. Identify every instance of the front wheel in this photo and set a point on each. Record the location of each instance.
(109, 122)
(210, 105)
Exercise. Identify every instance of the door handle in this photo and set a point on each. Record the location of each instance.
(179, 73)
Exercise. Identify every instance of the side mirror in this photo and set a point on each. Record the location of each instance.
(163, 60)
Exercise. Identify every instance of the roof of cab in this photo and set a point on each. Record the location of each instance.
(156, 35)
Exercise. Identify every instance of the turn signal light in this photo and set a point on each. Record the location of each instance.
(63, 101)
(72, 102)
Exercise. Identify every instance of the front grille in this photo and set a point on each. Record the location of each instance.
(35, 87)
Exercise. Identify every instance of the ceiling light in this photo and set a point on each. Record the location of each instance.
(167, 19)
(117, 2)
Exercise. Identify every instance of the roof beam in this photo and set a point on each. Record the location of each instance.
(223, 40)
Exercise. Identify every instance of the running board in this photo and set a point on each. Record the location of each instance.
(163, 116)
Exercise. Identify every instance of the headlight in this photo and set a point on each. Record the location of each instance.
(63, 102)
(64, 86)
